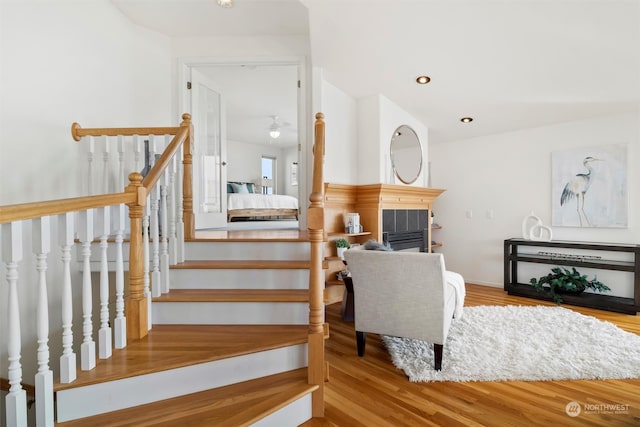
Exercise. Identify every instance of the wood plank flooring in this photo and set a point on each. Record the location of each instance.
(370, 391)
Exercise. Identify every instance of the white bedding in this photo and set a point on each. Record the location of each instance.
(260, 201)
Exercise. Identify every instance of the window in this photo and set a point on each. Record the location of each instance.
(268, 175)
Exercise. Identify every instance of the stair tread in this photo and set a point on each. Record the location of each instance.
(244, 264)
(234, 295)
(173, 346)
(233, 405)
(250, 236)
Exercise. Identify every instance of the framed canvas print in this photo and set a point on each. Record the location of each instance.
(589, 187)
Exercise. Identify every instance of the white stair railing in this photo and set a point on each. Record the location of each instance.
(105, 217)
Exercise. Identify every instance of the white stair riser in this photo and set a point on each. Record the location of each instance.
(248, 250)
(239, 279)
(230, 313)
(294, 414)
(111, 396)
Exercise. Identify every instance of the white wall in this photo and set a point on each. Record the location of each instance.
(509, 175)
(69, 61)
(66, 61)
(341, 158)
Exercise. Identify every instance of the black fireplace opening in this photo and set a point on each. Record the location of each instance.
(405, 229)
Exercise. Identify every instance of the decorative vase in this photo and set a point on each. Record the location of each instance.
(341, 252)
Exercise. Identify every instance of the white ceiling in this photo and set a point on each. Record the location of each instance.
(509, 64)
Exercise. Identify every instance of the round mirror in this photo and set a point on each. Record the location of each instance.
(406, 154)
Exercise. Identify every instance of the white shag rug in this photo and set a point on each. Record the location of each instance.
(521, 343)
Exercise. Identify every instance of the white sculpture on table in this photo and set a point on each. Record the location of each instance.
(533, 229)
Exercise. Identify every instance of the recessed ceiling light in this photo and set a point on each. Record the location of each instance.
(225, 3)
(423, 80)
(466, 119)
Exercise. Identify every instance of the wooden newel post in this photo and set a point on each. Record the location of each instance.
(136, 303)
(315, 220)
(187, 181)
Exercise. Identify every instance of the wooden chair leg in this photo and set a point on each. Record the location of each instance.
(361, 340)
(437, 352)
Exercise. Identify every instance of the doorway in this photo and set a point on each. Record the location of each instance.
(257, 94)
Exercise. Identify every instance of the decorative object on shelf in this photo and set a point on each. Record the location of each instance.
(534, 229)
(341, 246)
(352, 223)
(596, 177)
(432, 216)
(564, 281)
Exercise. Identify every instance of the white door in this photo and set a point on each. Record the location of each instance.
(209, 153)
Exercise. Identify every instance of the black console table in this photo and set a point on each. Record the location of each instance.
(592, 300)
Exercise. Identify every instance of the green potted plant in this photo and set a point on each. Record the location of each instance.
(341, 246)
(564, 281)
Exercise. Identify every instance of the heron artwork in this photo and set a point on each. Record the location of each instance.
(577, 187)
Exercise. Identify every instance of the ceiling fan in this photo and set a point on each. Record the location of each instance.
(276, 127)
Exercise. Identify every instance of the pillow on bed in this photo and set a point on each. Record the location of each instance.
(229, 188)
(239, 188)
(251, 187)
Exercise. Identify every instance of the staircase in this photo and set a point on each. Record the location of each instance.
(228, 344)
(233, 336)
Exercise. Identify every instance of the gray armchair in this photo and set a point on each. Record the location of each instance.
(404, 294)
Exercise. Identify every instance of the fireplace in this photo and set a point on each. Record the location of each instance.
(406, 229)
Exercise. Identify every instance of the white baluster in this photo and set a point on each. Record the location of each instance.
(164, 238)
(146, 253)
(16, 400)
(173, 244)
(106, 152)
(90, 151)
(121, 174)
(41, 235)
(120, 323)
(156, 280)
(103, 227)
(180, 212)
(68, 358)
(88, 347)
(137, 152)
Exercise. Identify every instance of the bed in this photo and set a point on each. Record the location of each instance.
(251, 204)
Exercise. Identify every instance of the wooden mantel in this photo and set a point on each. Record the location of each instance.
(372, 199)
(369, 201)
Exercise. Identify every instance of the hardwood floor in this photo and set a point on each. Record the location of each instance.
(370, 391)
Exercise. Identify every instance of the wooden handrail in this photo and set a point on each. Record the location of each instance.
(77, 131)
(25, 211)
